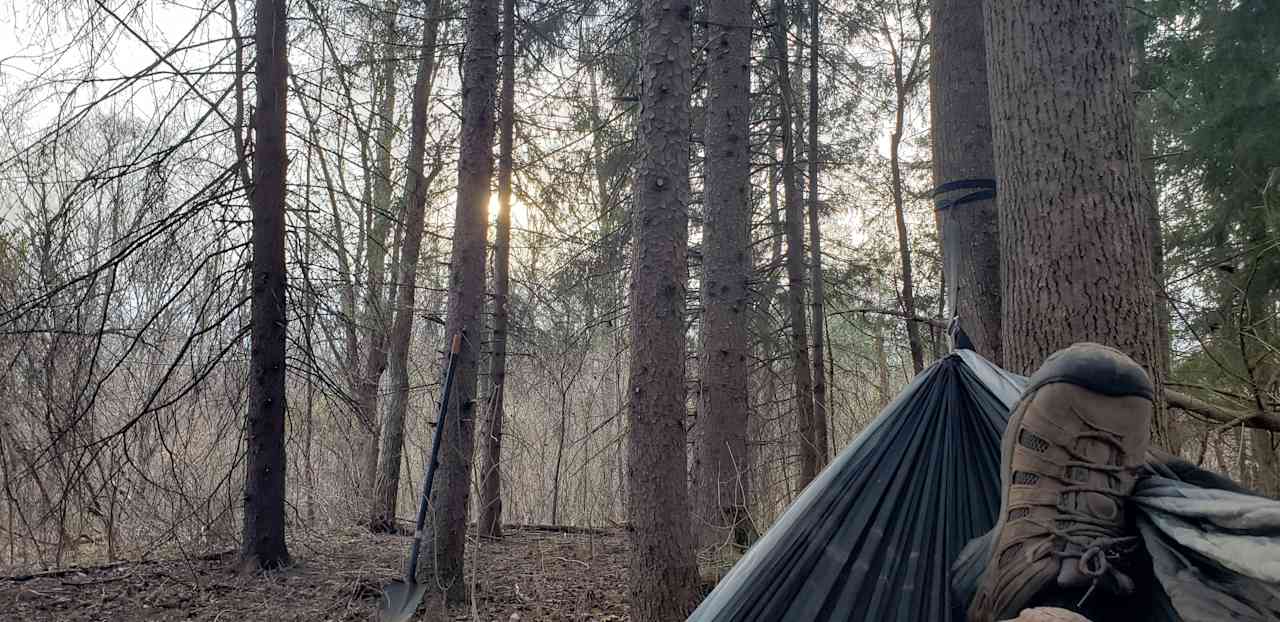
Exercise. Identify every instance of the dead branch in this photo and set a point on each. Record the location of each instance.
(934, 322)
(1258, 419)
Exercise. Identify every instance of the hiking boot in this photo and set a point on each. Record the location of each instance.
(1068, 461)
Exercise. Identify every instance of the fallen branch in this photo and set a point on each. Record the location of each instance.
(573, 561)
(97, 581)
(1221, 414)
(58, 573)
(595, 531)
(934, 322)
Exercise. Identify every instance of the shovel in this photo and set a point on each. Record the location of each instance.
(400, 599)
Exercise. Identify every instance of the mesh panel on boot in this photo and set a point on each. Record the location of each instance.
(1031, 441)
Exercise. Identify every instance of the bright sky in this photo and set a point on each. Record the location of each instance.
(37, 47)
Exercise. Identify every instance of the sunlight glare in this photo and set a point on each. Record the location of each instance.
(519, 212)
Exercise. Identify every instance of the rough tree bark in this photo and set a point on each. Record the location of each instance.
(961, 122)
(447, 544)
(1075, 240)
(387, 488)
(263, 543)
(794, 210)
(720, 464)
(662, 570)
(490, 474)
(815, 252)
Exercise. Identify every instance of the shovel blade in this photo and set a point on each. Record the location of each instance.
(400, 600)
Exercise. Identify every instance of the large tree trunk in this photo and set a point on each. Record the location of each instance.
(263, 543)
(662, 570)
(491, 474)
(386, 495)
(447, 545)
(720, 465)
(815, 252)
(967, 218)
(376, 322)
(794, 210)
(1075, 239)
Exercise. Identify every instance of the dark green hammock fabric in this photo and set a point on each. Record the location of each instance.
(873, 536)
(879, 534)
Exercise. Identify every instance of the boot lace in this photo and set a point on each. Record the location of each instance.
(1097, 540)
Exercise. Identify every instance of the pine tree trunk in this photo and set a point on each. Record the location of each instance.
(491, 474)
(1075, 239)
(815, 252)
(961, 122)
(387, 489)
(662, 573)
(447, 546)
(720, 465)
(801, 374)
(263, 540)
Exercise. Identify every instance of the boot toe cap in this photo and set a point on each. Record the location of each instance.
(1096, 367)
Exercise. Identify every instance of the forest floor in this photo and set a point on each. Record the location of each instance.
(532, 574)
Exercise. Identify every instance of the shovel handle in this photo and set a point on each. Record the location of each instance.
(411, 571)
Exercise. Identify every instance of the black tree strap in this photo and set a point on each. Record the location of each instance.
(986, 189)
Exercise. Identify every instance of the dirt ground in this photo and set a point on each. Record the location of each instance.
(532, 574)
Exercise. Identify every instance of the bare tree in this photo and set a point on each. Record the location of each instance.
(794, 224)
(815, 249)
(376, 321)
(388, 480)
(908, 70)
